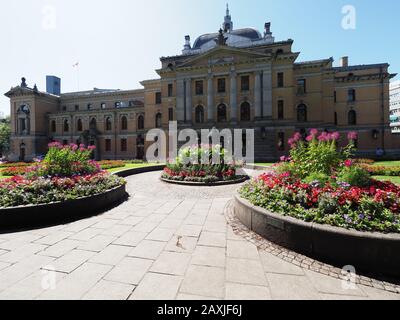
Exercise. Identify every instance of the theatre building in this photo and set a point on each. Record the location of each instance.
(233, 78)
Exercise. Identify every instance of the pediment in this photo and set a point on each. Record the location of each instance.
(223, 55)
(19, 91)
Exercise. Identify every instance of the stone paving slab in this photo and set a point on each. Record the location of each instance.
(166, 242)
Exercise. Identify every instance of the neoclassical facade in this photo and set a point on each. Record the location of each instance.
(234, 78)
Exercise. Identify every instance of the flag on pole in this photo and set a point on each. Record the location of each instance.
(75, 65)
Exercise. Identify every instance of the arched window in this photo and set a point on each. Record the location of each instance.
(79, 125)
(108, 124)
(199, 114)
(302, 113)
(140, 123)
(53, 126)
(158, 120)
(124, 123)
(352, 118)
(93, 123)
(66, 126)
(245, 111)
(221, 113)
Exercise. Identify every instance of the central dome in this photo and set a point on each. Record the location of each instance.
(246, 33)
(239, 38)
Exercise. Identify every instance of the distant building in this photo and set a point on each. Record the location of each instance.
(234, 78)
(395, 106)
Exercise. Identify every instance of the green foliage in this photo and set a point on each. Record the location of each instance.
(5, 134)
(355, 176)
(322, 178)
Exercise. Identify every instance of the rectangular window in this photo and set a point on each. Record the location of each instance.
(76, 107)
(124, 145)
(170, 89)
(170, 114)
(158, 98)
(335, 96)
(103, 106)
(221, 85)
(351, 95)
(281, 111)
(245, 83)
(108, 145)
(301, 86)
(280, 80)
(199, 88)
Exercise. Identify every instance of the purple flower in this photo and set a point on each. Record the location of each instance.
(361, 216)
(348, 219)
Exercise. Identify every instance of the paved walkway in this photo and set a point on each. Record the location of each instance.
(166, 242)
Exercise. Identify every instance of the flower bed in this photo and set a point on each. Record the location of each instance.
(111, 164)
(201, 164)
(391, 171)
(319, 183)
(19, 191)
(66, 173)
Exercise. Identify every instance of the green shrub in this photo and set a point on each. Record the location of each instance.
(322, 178)
(354, 176)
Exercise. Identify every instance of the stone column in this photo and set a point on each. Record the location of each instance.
(267, 94)
(210, 98)
(189, 106)
(233, 97)
(257, 95)
(180, 100)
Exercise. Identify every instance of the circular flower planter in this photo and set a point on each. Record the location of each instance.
(369, 252)
(33, 216)
(56, 212)
(240, 179)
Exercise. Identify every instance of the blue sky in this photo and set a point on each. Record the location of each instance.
(118, 43)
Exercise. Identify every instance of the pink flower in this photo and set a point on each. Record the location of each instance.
(335, 136)
(352, 136)
(91, 148)
(310, 138)
(348, 163)
(314, 132)
(297, 137)
(323, 137)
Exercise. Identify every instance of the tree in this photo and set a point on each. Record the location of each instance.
(5, 134)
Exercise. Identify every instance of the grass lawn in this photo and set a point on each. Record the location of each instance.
(264, 164)
(132, 166)
(395, 180)
(387, 163)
